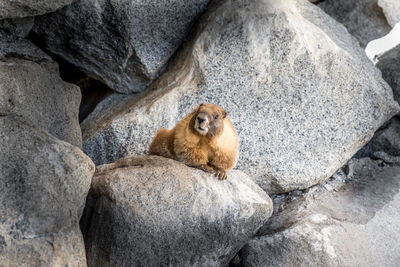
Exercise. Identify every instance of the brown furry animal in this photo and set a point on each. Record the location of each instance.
(205, 139)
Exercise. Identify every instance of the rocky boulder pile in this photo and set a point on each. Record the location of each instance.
(354, 224)
(318, 176)
(122, 43)
(302, 108)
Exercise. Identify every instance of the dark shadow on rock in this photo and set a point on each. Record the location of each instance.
(93, 91)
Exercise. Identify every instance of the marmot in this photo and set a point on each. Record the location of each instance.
(205, 139)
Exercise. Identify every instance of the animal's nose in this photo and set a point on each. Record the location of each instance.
(200, 120)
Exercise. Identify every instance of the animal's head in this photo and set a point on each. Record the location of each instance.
(208, 120)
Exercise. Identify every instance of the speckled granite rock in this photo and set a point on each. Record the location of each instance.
(356, 225)
(122, 43)
(43, 188)
(25, 8)
(300, 92)
(153, 211)
(364, 19)
(391, 9)
(389, 64)
(30, 86)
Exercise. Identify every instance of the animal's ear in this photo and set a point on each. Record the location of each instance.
(224, 114)
(199, 106)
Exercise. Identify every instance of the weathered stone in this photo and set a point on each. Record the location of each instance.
(299, 90)
(30, 86)
(356, 225)
(19, 26)
(391, 9)
(389, 64)
(386, 140)
(122, 43)
(25, 8)
(153, 211)
(364, 19)
(43, 188)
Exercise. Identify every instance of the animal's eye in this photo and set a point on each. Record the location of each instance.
(216, 116)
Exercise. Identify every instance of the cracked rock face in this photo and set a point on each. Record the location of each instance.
(122, 43)
(30, 86)
(43, 188)
(153, 211)
(364, 19)
(25, 8)
(355, 225)
(302, 106)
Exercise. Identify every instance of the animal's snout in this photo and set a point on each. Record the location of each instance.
(202, 122)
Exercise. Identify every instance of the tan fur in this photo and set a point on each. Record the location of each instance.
(216, 151)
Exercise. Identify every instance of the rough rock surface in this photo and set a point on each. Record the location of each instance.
(153, 211)
(43, 188)
(122, 43)
(364, 19)
(389, 64)
(299, 90)
(25, 8)
(386, 140)
(19, 26)
(30, 86)
(355, 225)
(391, 9)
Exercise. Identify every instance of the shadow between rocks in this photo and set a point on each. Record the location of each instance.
(93, 91)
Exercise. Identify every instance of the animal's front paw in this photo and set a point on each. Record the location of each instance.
(206, 168)
(221, 174)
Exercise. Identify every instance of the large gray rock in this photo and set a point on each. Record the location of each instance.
(355, 225)
(153, 211)
(30, 86)
(43, 188)
(389, 64)
(122, 43)
(299, 90)
(25, 8)
(364, 19)
(391, 9)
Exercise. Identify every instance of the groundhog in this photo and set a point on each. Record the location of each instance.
(205, 139)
